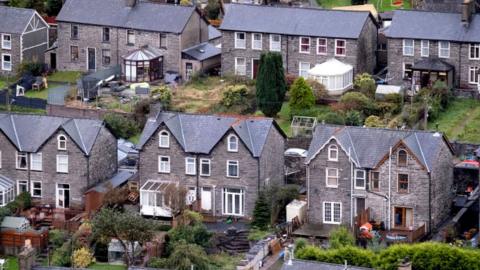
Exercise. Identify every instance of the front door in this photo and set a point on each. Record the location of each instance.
(53, 61)
(403, 217)
(360, 205)
(425, 79)
(256, 64)
(91, 59)
(206, 196)
(188, 71)
(63, 196)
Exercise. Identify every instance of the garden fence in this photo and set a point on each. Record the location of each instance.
(33, 103)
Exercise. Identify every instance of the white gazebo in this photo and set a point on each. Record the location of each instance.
(335, 75)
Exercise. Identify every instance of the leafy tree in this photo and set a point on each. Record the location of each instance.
(62, 256)
(271, 85)
(213, 9)
(353, 118)
(319, 90)
(365, 84)
(121, 126)
(261, 212)
(374, 121)
(53, 7)
(190, 229)
(127, 227)
(185, 255)
(57, 237)
(279, 197)
(341, 237)
(301, 96)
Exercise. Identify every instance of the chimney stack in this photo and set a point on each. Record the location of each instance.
(468, 8)
(130, 3)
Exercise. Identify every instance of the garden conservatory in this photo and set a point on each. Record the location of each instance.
(7, 192)
(335, 75)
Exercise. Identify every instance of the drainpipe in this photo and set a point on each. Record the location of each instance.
(286, 54)
(197, 178)
(308, 186)
(88, 171)
(118, 51)
(351, 188)
(258, 176)
(429, 202)
(389, 211)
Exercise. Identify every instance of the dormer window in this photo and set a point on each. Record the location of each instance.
(164, 139)
(232, 143)
(333, 153)
(402, 158)
(62, 142)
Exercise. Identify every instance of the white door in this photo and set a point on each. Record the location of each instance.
(206, 198)
(63, 196)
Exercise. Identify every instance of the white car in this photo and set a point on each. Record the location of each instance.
(296, 152)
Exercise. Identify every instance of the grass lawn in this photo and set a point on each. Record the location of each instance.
(461, 121)
(43, 94)
(106, 266)
(198, 96)
(19, 109)
(380, 5)
(11, 264)
(64, 76)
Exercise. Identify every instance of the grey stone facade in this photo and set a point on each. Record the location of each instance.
(360, 53)
(90, 36)
(459, 58)
(83, 171)
(254, 172)
(428, 198)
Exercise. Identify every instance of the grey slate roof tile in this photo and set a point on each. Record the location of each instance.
(198, 133)
(368, 146)
(143, 16)
(202, 51)
(294, 21)
(416, 24)
(14, 20)
(29, 132)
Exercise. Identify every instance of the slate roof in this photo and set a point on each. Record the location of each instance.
(367, 146)
(295, 21)
(143, 16)
(434, 26)
(14, 20)
(117, 180)
(433, 64)
(202, 51)
(314, 265)
(199, 133)
(29, 132)
(213, 33)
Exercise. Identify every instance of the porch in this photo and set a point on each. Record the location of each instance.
(427, 71)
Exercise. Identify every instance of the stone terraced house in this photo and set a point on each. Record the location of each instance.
(304, 36)
(146, 38)
(427, 46)
(23, 37)
(54, 159)
(222, 161)
(404, 177)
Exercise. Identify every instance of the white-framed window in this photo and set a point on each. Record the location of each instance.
(321, 46)
(22, 186)
(21, 161)
(473, 74)
(130, 37)
(232, 168)
(62, 163)
(240, 66)
(233, 201)
(332, 152)
(340, 47)
(151, 198)
(408, 47)
(424, 48)
(190, 166)
(304, 44)
(62, 142)
(205, 167)
(6, 62)
(360, 179)
(474, 49)
(402, 158)
(164, 139)
(232, 141)
(36, 161)
(240, 40)
(275, 43)
(443, 49)
(331, 175)
(163, 164)
(332, 212)
(6, 41)
(303, 68)
(36, 190)
(257, 41)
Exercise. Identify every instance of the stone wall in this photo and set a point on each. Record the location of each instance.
(15, 53)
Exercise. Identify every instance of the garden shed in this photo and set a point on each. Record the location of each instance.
(7, 193)
(335, 75)
(116, 252)
(19, 224)
(384, 89)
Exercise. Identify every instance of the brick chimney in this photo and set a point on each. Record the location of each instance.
(468, 8)
(130, 3)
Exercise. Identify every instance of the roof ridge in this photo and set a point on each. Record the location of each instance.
(421, 151)
(15, 132)
(19, 8)
(250, 137)
(299, 8)
(353, 146)
(383, 128)
(181, 132)
(80, 135)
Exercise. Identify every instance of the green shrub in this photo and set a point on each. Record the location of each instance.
(155, 262)
(57, 237)
(319, 90)
(353, 255)
(234, 95)
(393, 98)
(333, 118)
(196, 234)
(355, 101)
(374, 121)
(353, 118)
(300, 243)
(301, 96)
(62, 256)
(261, 213)
(82, 258)
(4, 211)
(121, 126)
(32, 68)
(164, 95)
(257, 234)
(341, 237)
(365, 84)
(24, 200)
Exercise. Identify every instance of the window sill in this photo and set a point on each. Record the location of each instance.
(340, 55)
(333, 223)
(402, 192)
(304, 52)
(332, 186)
(74, 38)
(106, 42)
(6, 48)
(235, 177)
(130, 44)
(334, 160)
(164, 172)
(21, 169)
(205, 175)
(62, 172)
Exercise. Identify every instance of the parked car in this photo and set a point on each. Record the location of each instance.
(296, 152)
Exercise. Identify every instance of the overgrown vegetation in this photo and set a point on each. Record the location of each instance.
(301, 97)
(341, 237)
(121, 126)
